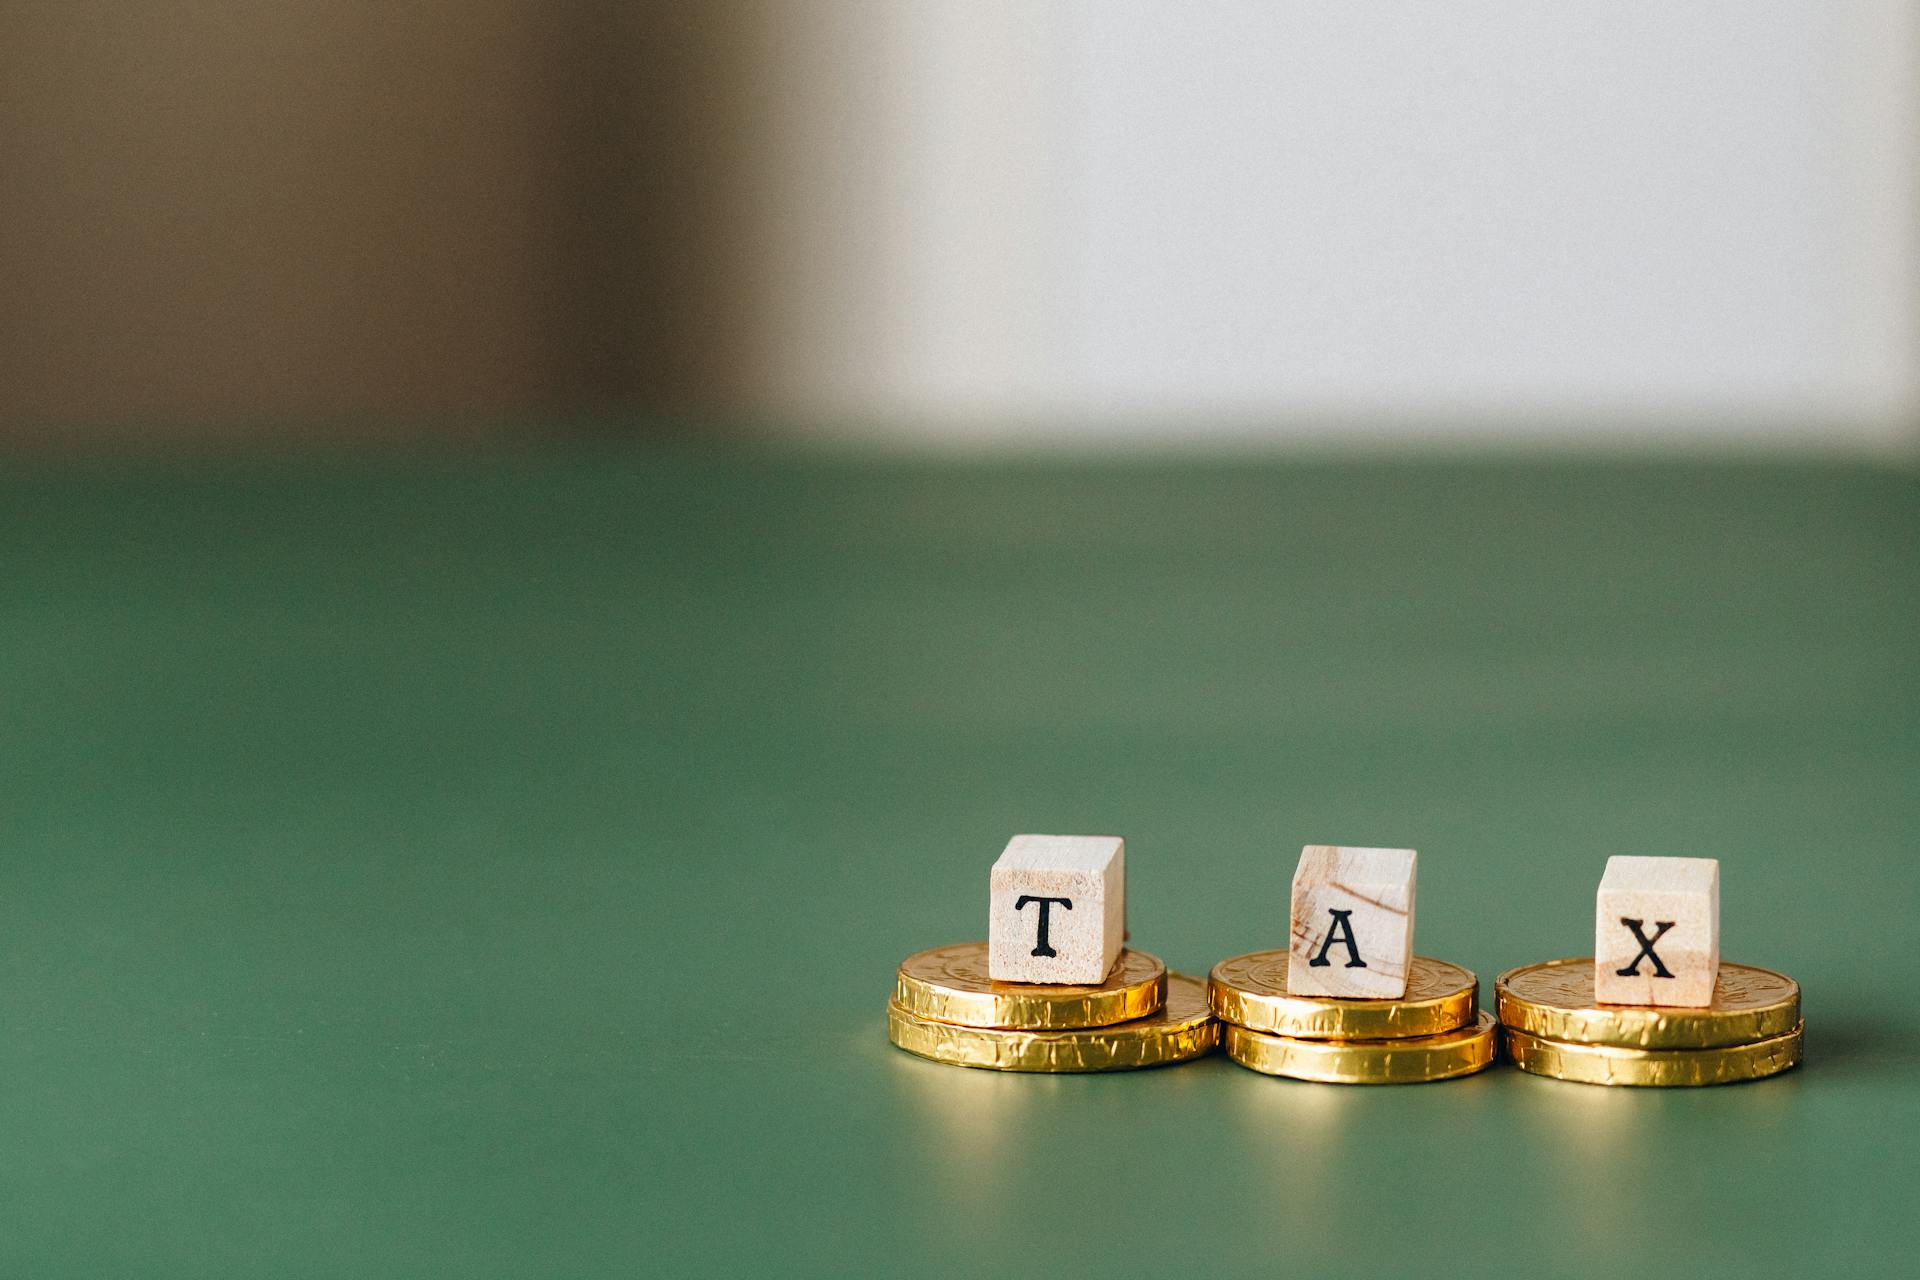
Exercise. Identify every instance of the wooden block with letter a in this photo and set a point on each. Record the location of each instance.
(1656, 932)
(1057, 909)
(1352, 922)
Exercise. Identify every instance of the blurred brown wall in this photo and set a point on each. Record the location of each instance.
(333, 216)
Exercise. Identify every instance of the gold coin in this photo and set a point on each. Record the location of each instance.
(1407, 1060)
(950, 984)
(1610, 1064)
(1183, 1029)
(1554, 1001)
(1251, 991)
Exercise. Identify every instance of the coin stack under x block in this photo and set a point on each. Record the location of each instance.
(1347, 1002)
(1654, 1005)
(1054, 987)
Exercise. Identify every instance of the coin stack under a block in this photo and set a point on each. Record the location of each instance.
(1654, 1005)
(1347, 1002)
(1053, 988)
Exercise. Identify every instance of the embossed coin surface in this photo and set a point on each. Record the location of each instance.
(1555, 1001)
(1408, 1060)
(1610, 1064)
(1182, 1030)
(950, 984)
(1251, 991)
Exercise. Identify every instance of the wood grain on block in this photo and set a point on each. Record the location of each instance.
(1058, 909)
(1352, 922)
(1656, 933)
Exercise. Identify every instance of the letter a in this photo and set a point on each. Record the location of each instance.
(1342, 931)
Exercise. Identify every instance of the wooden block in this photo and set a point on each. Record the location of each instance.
(1656, 933)
(1058, 909)
(1352, 922)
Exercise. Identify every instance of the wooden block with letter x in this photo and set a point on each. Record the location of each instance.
(1058, 909)
(1352, 922)
(1656, 933)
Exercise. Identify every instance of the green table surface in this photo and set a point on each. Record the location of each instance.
(498, 867)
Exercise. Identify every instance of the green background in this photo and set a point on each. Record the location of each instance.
(497, 867)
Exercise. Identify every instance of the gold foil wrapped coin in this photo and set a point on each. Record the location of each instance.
(1251, 991)
(1183, 1029)
(1554, 1001)
(1407, 1060)
(950, 984)
(1610, 1064)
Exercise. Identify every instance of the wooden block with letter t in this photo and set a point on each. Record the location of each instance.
(1352, 922)
(1058, 909)
(1656, 932)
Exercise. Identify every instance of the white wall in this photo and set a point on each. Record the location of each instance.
(1100, 221)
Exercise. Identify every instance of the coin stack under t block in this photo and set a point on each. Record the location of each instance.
(1054, 987)
(1347, 1001)
(1654, 1005)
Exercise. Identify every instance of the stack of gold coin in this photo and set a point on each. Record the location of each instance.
(1554, 1027)
(946, 1008)
(1435, 1032)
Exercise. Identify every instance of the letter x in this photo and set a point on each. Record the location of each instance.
(1660, 928)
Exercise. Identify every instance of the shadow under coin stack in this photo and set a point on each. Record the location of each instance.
(1435, 1032)
(1655, 1005)
(946, 1008)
